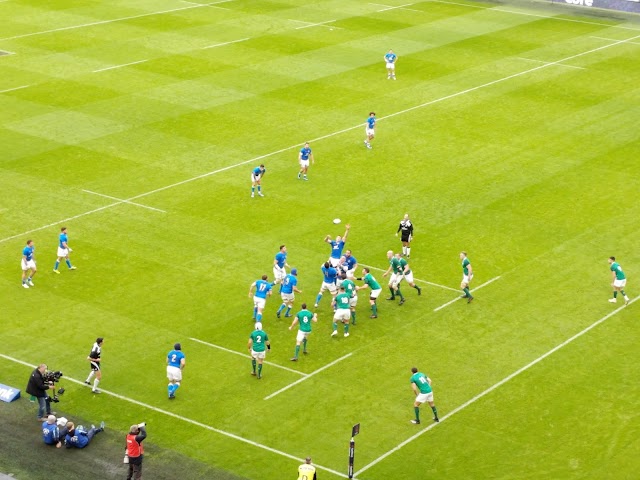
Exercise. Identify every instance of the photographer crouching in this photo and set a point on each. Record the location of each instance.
(39, 383)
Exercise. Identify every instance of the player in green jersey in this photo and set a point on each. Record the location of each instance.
(304, 318)
(421, 386)
(370, 282)
(350, 288)
(258, 346)
(619, 281)
(407, 274)
(467, 276)
(342, 313)
(396, 277)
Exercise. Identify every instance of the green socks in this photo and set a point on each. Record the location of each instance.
(253, 364)
(374, 309)
(467, 292)
(259, 370)
(304, 346)
(417, 410)
(297, 351)
(393, 295)
(435, 412)
(346, 328)
(399, 293)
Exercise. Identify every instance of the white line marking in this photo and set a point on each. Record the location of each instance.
(6, 53)
(460, 298)
(226, 43)
(416, 279)
(329, 135)
(318, 24)
(247, 356)
(495, 386)
(613, 40)
(188, 420)
(102, 22)
(205, 5)
(542, 61)
(15, 88)
(308, 376)
(399, 6)
(125, 201)
(120, 66)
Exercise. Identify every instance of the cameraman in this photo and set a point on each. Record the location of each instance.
(38, 388)
(135, 450)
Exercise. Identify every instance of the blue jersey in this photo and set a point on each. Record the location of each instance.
(288, 283)
(390, 57)
(175, 357)
(257, 172)
(262, 288)
(28, 252)
(351, 262)
(371, 122)
(78, 440)
(336, 249)
(63, 240)
(330, 274)
(281, 258)
(304, 153)
(50, 433)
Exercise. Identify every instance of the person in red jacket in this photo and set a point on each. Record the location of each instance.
(135, 450)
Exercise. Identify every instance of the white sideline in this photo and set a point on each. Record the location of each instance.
(495, 386)
(329, 135)
(444, 305)
(119, 66)
(226, 43)
(318, 24)
(542, 61)
(189, 420)
(125, 201)
(15, 88)
(613, 40)
(416, 279)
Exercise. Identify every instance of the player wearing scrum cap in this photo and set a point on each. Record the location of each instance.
(258, 345)
(175, 364)
(287, 293)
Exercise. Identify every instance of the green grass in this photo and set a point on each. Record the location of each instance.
(530, 168)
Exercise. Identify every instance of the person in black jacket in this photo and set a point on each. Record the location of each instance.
(38, 388)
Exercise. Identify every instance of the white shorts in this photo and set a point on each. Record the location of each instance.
(351, 273)
(375, 293)
(259, 302)
(287, 297)
(334, 262)
(328, 286)
(255, 354)
(301, 335)
(395, 279)
(369, 131)
(466, 279)
(279, 273)
(174, 374)
(619, 283)
(255, 178)
(30, 265)
(391, 66)
(63, 252)
(304, 163)
(342, 314)
(353, 301)
(424, 397)
(408, 277)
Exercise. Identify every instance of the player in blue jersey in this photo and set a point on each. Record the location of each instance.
(63, 251)
(51, 433)
(303, 158)
(262, 289)
(289, 286)
(279, 264)
(175, 364)
(369, 129)
(390, 60)
(336, 246)
(28, 264)
(352, 264)
(256, 177)
(330, 276)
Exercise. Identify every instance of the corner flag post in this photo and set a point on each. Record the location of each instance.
(352, 447)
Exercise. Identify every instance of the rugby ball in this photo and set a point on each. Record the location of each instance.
(336, 221)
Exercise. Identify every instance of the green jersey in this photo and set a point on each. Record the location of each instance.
(401, 264)
(615, 267)
(258, 337)
(465, 265)
(342, 301)
(350, 287)
(395, 265)
(420, 379)
(369, 280)
(304, 320)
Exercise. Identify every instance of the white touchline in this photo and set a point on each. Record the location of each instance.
(308, 375)
(226, 43)
(393, 8)
(329, 135)
(496, 385)
(119, 66)
(14, 88)
(102, 22)
(460, 298)
(542, 61)
(416, 279)
(245, 355)
(124, 201)
(316, 24)
(613, 40)
(189, 420)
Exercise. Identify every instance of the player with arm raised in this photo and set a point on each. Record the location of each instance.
(337, 246)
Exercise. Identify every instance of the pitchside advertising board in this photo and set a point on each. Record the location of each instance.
(8, 394)
(622, 5)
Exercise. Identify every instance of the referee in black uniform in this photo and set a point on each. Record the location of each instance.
(406, 227)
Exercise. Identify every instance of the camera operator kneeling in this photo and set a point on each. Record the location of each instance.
(78, 437)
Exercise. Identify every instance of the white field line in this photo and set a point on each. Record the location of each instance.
(119, 66)
(416, 279)
(390, 7)
(399, 6)
(316, 24)
(125, 201)
(245, 355)
(102, 22)
(614, 40)
(6, 53)
(226, 43)
(188, 420)
(542, 61)
(308, 376)
(329, 135)
(495, 386)
(15, 88)
(311, 24)
(204, 5)
(460, 298)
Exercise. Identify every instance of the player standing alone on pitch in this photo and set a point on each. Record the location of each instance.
(619, 281)
(256, 177)
(175, 364)
(390, 60)
(258, 345)
(467, 276)
(421, 386)
(406, 227)
(369, 129)
(95, 361)
(303, 158)
(28, 265)
(63, 251)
